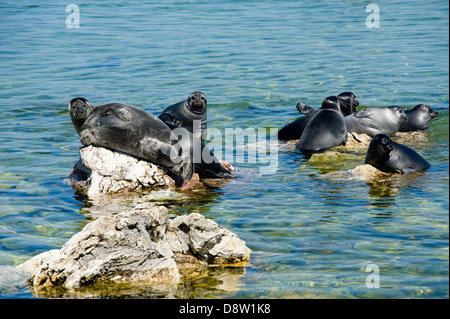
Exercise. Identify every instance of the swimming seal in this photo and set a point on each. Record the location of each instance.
(133, 131)
(326, 129)
(376, 120)
(391, 157)
(293, 131)
(183, 114)
(418, 118)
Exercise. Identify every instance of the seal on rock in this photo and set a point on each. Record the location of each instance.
(136, 132)
(293, 131)
(183, 114)
(418, 118)
(391, 157)
(133, 131)
(376, 120)
(347, 100)
(326, 129)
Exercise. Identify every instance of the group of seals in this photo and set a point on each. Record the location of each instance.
(327, 127)
(136, 132)
(294, 130)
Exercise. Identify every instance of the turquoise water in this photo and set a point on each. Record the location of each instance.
(312, 235)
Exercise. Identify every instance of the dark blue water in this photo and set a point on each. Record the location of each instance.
(312, 236)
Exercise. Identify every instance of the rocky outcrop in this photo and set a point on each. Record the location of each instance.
(141, 245)
(103, 171)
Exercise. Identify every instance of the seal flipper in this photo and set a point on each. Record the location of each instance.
(121, 113)
(365, 113)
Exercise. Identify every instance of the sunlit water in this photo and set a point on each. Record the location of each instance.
(312, 235)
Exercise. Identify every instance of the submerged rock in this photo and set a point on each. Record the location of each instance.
(142, 245)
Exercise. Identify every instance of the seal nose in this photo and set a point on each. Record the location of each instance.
(434, 114)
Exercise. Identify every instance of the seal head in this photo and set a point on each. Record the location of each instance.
(418, 118)
(79, 110)
(190, 114)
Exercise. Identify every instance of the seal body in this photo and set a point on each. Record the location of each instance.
(391, 157)
(326, 129)
(136, 132)
(184, 113)
(418, 118)
(376, 120)
(294, 130)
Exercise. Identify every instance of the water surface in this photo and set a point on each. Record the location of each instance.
(312, 236)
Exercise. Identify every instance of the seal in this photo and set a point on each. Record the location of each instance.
(133, 131)
(326, 129)
(391, 157)
(293, 131)
(183, 114)
(79, 110)
(376, 120)
(348, 102)
(418, 118)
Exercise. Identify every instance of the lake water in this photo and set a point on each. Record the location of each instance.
(312, 235)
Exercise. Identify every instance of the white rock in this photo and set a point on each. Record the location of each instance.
(141, 245)
(103, 171)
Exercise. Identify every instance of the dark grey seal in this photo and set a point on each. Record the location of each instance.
(376, 120)
(391, 157)
(183, 114)
(136, 132)
(418, 118)
(326, 129)
(293, 131)
(79, 110)
(130, 130)
(347, 100)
